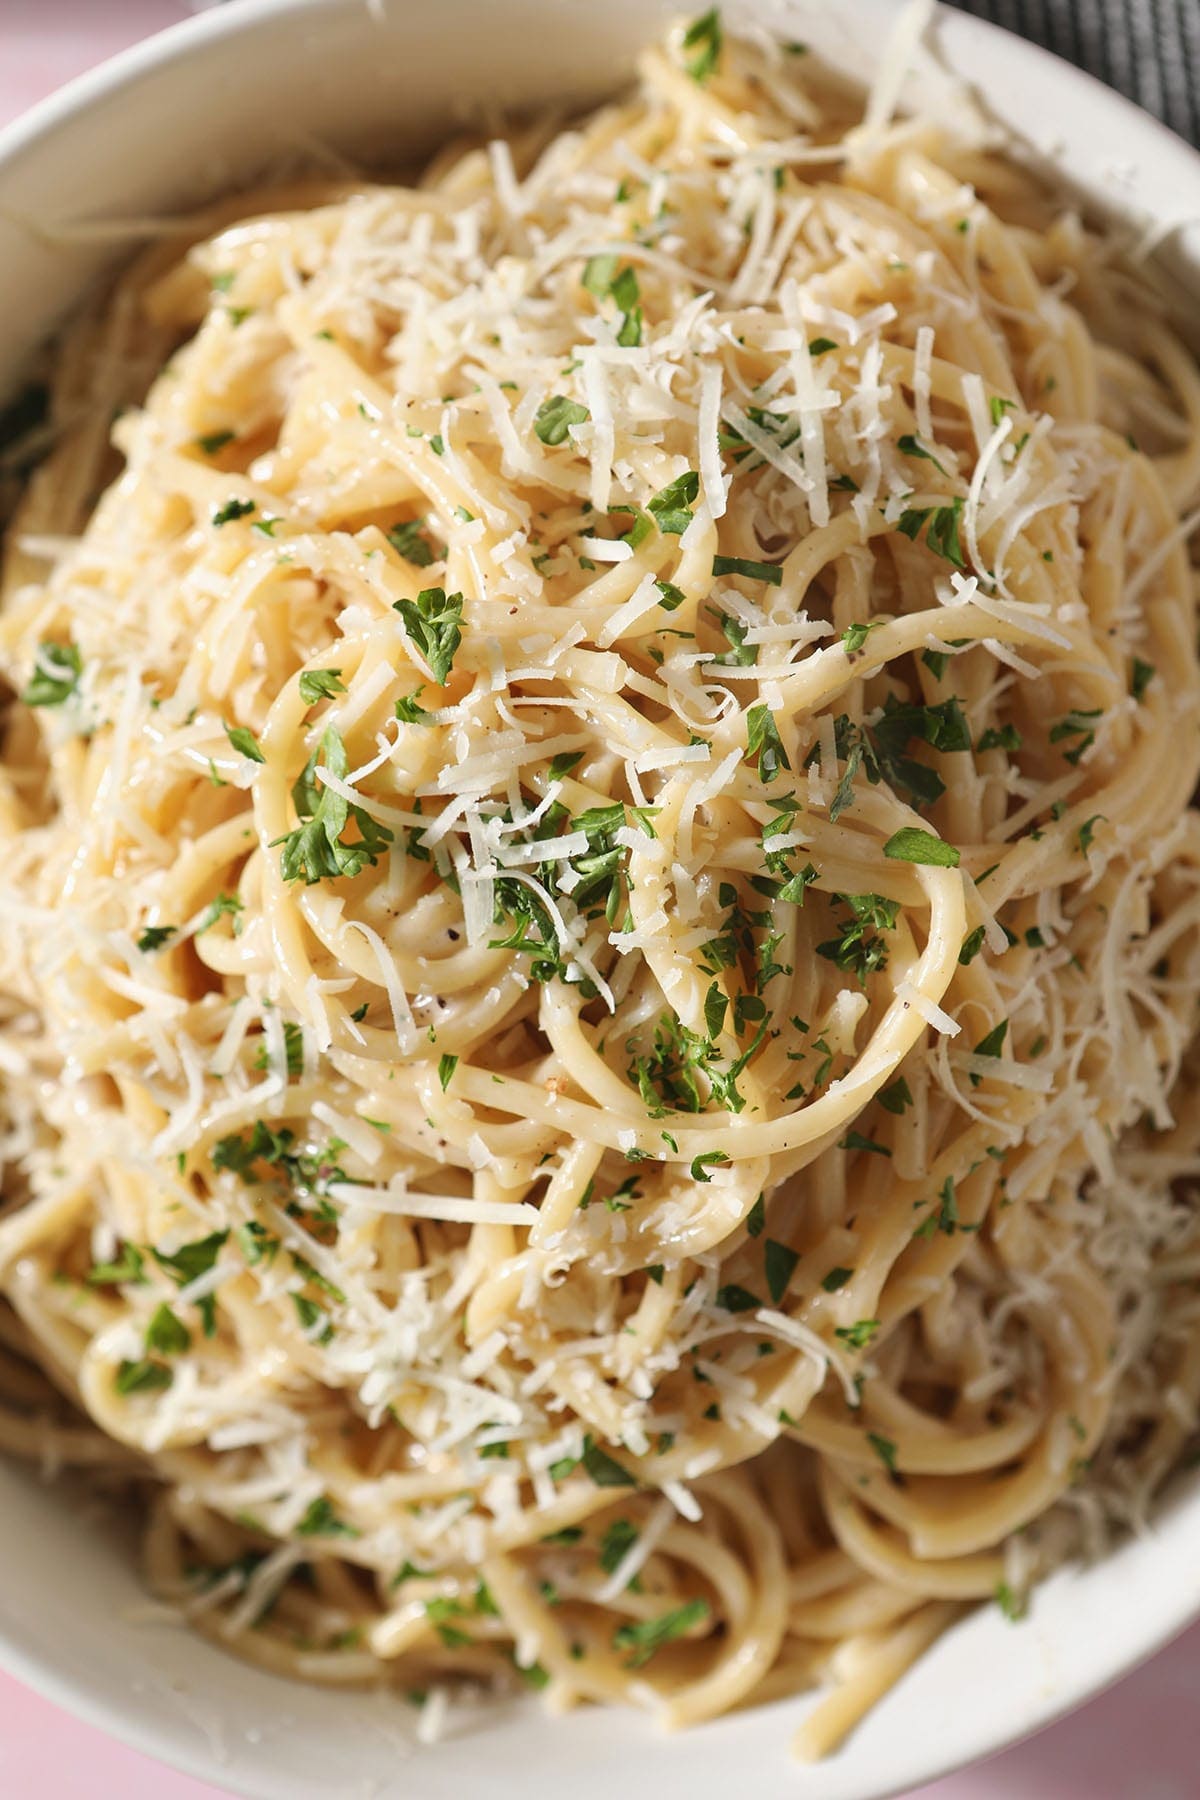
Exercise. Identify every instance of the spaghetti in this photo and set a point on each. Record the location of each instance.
(602, 920)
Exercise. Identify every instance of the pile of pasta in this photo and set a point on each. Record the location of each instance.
(601, 916)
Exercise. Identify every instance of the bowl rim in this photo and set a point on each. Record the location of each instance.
(155, 1736)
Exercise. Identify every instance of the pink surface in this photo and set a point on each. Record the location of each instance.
(1141, 1741)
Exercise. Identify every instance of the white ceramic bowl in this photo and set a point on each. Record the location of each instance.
(199, 109)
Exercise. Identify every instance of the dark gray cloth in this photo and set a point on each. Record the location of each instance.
(1149, 49)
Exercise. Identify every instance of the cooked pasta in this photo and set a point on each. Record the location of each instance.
(601, 916)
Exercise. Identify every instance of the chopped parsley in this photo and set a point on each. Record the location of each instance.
(896, 1097)
(1077, 724)
(620, 1536)
(603, 278)
(56, 671)
(1140, 676)
(884, 1449)
(1087, 831)
(245, 742)
(858, 1335)
(644, 1638)
(941, 529)
(912, 446)
(143, 1378)
(555, 417)
(234, 509)
(409, 712)
(127, 1268)
(315, 849)
(914, 846)
(879, 750)
(856, 635)
(188, 1263)
(167, 1333)
(991, 1045)
(155, 937)
(737, 1299)
(1013, 1606)
(836, 1279)
(859, 950)
(320, 684)
(972, 944)
(224, 906)
(410, 542)
(446, 1068)
(742, 565)
(321, 1520)
(703, 38)
(763, 742)
(672, 505)
(433, 622)
(779, 1265)
(1002, 737)
(604, 1469)
(854, 1140)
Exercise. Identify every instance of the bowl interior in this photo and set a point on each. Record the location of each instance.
(204, 109)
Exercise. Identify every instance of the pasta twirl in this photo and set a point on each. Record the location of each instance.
(602, 921)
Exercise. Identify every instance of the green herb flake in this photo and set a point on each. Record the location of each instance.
(1087, 831)
(446, 1068)
(644, 1638)
(1002, 737)
(245, 742)
(836, 1280)
(224, 906)
(315, 849)
(1140, 676)
(321, 1520)
(707, 1159)
(156, 937)
(991, 1045)
(779, 1265)
(856, 635)
(912, 446)
(604, 1469)
(56, 671)
(912, 845)
(234, 509)
(143, 1378)
(127, 1268)
(854, 1140)
(671, 507)
(764, 743)
(858, 1335)
(409, 712)
(896, 1097)
(409, 541)
(433, 622)
(320, 684)
(745, 566)
(737, 1299)
(703, 38)
(555, 417)
(1013, 1606)
(884, 1449)
(167, 1333)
